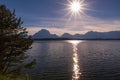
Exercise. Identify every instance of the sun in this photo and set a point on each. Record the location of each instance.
(76, 6)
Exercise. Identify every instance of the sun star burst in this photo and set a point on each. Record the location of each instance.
(76, 6)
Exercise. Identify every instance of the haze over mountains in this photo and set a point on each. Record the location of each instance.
(45, 34)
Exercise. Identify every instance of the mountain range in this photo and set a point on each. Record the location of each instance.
(45, 34)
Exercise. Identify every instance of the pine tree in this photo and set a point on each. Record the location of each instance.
(14, 42)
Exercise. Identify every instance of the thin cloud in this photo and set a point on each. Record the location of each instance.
(80, 25)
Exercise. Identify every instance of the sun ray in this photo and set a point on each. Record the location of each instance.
(76, 11)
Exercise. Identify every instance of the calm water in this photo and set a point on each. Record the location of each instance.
(75, 60)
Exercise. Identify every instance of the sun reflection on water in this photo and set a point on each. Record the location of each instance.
(76, 69)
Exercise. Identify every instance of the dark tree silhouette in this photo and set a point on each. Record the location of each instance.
(13, 42)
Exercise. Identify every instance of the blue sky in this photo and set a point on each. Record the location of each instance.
(101, 15)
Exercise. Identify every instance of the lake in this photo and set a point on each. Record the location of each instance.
(75, 60)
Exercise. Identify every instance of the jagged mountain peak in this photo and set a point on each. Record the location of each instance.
(43, 31)
(67, 35)
(44, 34)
